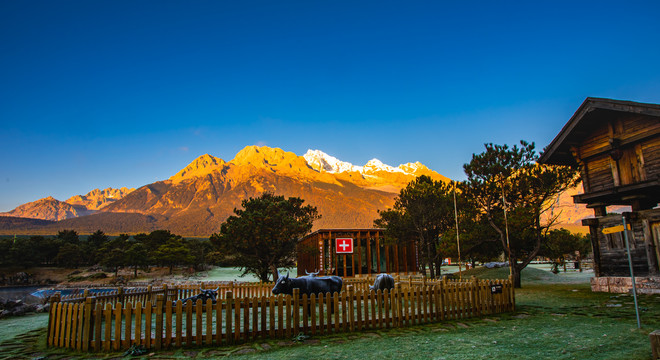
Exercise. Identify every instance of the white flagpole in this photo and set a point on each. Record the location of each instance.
(458, 243)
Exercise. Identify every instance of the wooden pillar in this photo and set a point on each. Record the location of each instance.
(369, 259)
(650, 248)
(655, 344)
(378, 254)
(359, 253)
(600, 210)
(344, 264)
(595, 247)
(333, 253)
(353, 260)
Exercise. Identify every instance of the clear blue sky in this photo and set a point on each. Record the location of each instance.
(97, 94)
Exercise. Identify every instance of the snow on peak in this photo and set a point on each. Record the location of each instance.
(374, 165)
(321, 161)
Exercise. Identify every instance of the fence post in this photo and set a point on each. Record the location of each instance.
(52, 300)
(296, 311)
(230, 306)
(85, 293)
(55, 298)
(351, 316)
(159, 321)
(148, 293)
(87, 324)
(476, 307)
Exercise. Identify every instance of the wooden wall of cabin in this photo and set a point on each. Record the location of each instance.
(370, 255)
(639, 138)
(613, 259)
(651, 157)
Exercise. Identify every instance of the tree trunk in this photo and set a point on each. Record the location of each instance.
(263, 275)
(516, 277)
(171, 266)
(438, 268)
(429, 258)
(276, 274)
(135, 272)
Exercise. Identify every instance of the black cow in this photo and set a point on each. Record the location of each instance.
(307, 285)
(382, 282)
(203, 295)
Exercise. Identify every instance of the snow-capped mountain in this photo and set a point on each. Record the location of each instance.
(320, 161)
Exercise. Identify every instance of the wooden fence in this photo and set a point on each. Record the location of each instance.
(96, 326)
(238, 289)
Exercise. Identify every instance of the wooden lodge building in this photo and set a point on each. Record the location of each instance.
(370, 255)
(616, 144)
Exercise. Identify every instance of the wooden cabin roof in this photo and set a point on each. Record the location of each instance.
(590, 113)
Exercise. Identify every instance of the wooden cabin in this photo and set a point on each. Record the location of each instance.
(616, 145)
(371, 254)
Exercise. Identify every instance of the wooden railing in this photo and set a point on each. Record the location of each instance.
(96, 326)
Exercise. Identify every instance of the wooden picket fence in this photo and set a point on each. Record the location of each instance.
(93, 325)
(238, 289)
(169, 292)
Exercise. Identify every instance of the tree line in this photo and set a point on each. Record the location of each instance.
(68, 250)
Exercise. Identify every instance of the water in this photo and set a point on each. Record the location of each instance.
(23, 293)
(45, 293)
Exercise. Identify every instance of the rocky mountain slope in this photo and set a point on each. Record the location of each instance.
(52, 209)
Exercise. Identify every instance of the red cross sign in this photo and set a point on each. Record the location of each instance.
(344, 246)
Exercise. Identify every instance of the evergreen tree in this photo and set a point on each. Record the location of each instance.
(264, 234)
(509, 179)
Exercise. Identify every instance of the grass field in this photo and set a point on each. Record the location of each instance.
(557, 317)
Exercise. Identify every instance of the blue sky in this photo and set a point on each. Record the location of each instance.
(97, 94)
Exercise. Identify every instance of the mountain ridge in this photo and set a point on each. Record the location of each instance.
(198, 198)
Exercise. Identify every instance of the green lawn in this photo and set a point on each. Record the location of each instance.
(233, 274)
(557, 317)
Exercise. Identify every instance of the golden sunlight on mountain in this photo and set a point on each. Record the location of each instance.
(201, 166)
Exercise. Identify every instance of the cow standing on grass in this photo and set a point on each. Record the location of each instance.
(382, 282)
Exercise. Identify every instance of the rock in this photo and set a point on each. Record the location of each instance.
(244, 351)
(495, 264)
